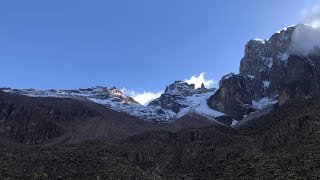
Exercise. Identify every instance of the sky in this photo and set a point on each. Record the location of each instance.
(139, 46)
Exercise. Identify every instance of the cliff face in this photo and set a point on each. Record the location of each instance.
(231, 97)
(302, 78)
(175, 94)
(270, 71)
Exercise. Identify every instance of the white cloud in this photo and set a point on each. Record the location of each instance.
(146, 97)
(311, 16)
(199, 80)
(305, 39)
(143, 98)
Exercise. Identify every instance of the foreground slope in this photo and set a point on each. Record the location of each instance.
(281, 145)
(55, 120)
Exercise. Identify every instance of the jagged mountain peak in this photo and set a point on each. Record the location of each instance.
(274, 70)
(182, 88)
(96, 92)
(179, 88)
(180, 99)
(257, 86)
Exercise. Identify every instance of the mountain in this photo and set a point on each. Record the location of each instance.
(186, 133)
(272, 71)
(113, 98)
(179, 99)
(51, 120)
(44, 117)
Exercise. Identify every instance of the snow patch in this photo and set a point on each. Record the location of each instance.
(198, 104)
(283, 56)
(234, 122)
(251, 77)
(286, 28)
(227, 76)
(266, 84)
(268, 61)
(260, 40)
(263, 103)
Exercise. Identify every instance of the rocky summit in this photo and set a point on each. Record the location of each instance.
(262, 123)
(271, 71)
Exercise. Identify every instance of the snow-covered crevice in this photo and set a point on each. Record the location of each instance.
(268, 61)
(234, 122)
(251, 77)
(283, 56)
(266, 84)
(263, 103)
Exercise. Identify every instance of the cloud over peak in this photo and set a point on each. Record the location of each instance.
(311, 16)
(143, 98)
(147, 96)
(198, 80)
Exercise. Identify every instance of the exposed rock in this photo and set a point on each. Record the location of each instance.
(277, 75)
(56, 120)
(193, 121)
(265, 61)
(181, 95)
(231, 97)
(269, 73)
(260, 55)
(254, 62)
(202, 86)
(180, 88)
(281, 145)
(121, 96)
(169, 102)
(255, 87)
(254, 116)
(302, 79)
(177, 97)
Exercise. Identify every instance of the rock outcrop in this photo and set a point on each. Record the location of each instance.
(231, 97)
(302, 78)
(181, 99)
(270, 71)
(175, 95)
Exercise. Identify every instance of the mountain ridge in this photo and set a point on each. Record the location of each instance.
(269, 76)
(186, 98)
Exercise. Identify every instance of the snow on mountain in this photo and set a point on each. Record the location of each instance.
(198, 104)
(182, 98)
(264, 103)
(192, 100)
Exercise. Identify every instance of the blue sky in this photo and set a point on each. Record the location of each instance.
(140, 45)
